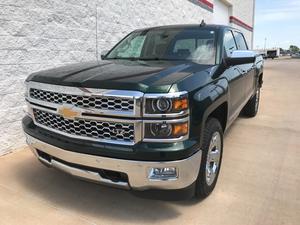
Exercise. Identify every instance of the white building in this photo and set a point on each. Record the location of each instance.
(116, 18)
(39, 34)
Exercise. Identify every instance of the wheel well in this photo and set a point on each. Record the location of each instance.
(220, 113)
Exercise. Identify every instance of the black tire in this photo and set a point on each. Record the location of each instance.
(203, 188)
(251, 108)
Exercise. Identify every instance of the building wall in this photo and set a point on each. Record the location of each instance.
(244, 10)
(40, 34)
(116, 18)
(36, 35)
(222, 11)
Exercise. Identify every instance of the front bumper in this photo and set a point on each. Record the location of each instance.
(78, 164)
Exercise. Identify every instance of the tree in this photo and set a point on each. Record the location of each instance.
(294, 49)
(282, 50)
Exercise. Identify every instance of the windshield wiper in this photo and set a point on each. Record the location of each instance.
(124, 58)
(146, 59)
(162, 59)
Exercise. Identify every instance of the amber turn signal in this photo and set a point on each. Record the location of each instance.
(180, 129)
(180, 104)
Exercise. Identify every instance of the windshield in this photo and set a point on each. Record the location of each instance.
(193, 44)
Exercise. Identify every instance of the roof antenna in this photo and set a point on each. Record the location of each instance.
(202, 24)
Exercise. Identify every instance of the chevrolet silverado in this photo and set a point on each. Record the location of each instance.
(150, 116)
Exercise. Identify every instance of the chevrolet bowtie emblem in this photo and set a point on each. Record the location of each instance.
(68, 112)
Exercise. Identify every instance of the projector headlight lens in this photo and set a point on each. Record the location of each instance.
(162, 105)
(167, 104)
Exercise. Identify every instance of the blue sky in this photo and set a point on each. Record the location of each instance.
(278, 21)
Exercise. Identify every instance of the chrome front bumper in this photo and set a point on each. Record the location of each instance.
(137, 171)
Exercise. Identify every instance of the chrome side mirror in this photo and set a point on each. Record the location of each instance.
(239, 57)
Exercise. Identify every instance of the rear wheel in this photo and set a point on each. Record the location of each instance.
(212, 149)
(251, 108)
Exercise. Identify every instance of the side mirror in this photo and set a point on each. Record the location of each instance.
(239, 57)
(104, 53)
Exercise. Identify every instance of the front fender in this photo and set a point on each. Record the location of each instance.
(259, 66)
(204, 102)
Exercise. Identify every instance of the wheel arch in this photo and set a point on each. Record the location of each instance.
(260, 79)
(210, 101)
(221, 114)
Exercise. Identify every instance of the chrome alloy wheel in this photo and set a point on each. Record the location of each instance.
(213, 158)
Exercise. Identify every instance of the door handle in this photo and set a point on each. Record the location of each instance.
(240, 70)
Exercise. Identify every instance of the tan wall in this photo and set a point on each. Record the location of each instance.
(243, 10)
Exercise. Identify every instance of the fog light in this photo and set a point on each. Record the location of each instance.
(166, 173)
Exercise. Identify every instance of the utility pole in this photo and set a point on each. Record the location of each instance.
(265, 44)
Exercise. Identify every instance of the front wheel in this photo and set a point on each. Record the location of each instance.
(212, 149)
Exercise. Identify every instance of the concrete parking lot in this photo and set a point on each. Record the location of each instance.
(259, 181)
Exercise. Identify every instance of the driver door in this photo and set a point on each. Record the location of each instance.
(234, 76)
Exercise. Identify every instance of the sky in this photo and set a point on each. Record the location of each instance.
(278, 21)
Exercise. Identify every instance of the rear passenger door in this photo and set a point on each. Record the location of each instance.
(234, 76)
(247, 70)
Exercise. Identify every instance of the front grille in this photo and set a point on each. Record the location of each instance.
(85, 128)
(92, 102)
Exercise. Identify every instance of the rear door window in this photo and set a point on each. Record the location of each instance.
(240, 41)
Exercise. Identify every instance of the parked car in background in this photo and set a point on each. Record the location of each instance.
(149, 117)
(296, 55)
(272, 54)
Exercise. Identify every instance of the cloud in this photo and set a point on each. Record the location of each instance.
(279, 10)
(278, 21)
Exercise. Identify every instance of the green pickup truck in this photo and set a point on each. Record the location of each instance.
(150, 116)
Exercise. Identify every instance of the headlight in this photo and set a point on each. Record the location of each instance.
(171, 103)
(168, 110)
(161, 105)
(174, 129)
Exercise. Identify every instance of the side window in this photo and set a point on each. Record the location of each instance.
(229, 43)
(240, 41)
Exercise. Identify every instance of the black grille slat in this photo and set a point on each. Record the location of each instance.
(94, 102)
(86, 128)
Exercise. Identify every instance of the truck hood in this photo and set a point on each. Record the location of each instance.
(144, 76)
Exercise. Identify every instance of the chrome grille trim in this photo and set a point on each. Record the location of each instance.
(94, 102)
(88, 113)
(131, 100)
(52, 121)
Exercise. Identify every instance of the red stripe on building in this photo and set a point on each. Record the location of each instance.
(238, 22)
(207, 3)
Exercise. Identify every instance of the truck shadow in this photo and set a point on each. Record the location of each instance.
(91, 200)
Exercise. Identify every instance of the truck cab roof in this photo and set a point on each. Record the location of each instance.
(189, 26)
